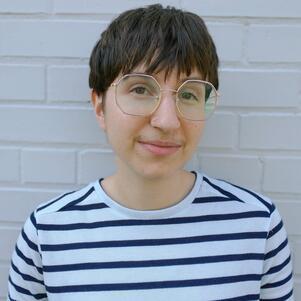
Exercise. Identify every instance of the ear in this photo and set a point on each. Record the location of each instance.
(98, 108)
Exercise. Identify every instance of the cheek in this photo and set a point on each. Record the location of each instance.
(194, 132)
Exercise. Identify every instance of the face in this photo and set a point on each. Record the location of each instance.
(153, 146)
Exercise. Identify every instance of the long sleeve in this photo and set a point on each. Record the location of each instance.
(277, 282)
(25, 281)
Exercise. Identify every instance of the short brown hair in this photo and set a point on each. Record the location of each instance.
(160, 38)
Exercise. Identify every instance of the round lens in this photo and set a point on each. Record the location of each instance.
(196, 100)
(137, 94)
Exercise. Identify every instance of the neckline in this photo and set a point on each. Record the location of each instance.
(150, 214)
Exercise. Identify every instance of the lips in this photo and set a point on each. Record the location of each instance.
(159, 147)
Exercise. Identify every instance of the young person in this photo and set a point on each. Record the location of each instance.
(152, 230)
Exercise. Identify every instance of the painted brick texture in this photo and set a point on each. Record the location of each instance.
(50, 142)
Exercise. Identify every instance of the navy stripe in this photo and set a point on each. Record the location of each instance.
(50, 203)
(87, 207)
(25, 291)
(32, 245)
(27, 260)
(224, 192)
(275, 229)
(152, 263)
(276, 250)
(152, 285)
(10, 298)
(154, 242)
(26, 276)
(167, 221)
(278, 267)
(33, 219)
(211, 199)
(73, 203)
(269, 206)
(284, 298)
(279, 283)
(242, 298)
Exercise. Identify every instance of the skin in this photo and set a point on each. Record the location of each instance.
(150, 151)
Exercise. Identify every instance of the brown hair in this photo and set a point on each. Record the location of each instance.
(160, 38)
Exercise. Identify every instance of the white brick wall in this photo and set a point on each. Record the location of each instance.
(50, 142)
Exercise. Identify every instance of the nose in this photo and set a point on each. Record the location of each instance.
(166, 115)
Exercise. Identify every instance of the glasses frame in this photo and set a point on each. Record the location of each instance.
(115, 85)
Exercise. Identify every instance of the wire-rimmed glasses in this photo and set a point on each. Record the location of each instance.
(140, 95)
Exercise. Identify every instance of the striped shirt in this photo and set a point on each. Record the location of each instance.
(221, 242)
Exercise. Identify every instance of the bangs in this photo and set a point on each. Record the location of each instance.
(172, 41)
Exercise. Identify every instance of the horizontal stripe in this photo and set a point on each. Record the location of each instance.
(212, 199)
(269, 206)
(167, 221)
(152, 263)
(278, 283)
(276, 229)
(154, 242)
(78, 200)
(284, 298)
(87, 207)
(26, 292)
(27, 260)
(276, 250)
(54, 201)
(10, 298)
(32, 245)
(278, 267)
(25, 276)
(222, 191)
(242, 298)
(33, 219)
(152, 285)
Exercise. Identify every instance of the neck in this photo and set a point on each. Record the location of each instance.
(140, 193)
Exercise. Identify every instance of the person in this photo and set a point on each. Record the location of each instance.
(153, 230)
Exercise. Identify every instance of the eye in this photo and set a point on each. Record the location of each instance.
(186, 95)
(139, 90)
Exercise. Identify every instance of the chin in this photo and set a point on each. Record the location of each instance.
(158, 171)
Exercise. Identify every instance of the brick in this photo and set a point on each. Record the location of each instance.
(262, 88)
(244, 171)
(282, 175)
(3, 279)
(270, 131)
(278, 43)
(296, 249)
(227, 51)
(26, 200)
(97, 7)
(221, 131)
(49, 38)
(48, 166)
(50, 125)
(8, 238)
(297, 289)
(68, 83)
(9, 165)
(290, 212)
(30, 6)
(22, 82)
(238, 8)
(94, 165)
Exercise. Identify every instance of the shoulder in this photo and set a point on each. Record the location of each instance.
(242, 195)
(68, 201)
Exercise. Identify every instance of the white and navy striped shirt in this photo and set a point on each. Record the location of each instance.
(221, 242)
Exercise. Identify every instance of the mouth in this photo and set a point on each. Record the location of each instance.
(160, 148)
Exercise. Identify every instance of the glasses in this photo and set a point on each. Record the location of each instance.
(140, 95)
